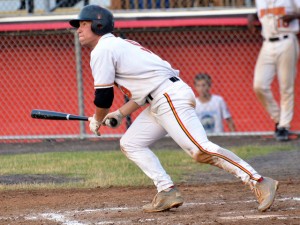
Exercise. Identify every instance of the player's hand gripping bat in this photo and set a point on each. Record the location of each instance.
(53, 115)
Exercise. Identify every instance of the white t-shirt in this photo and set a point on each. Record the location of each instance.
(269, 13)
(212, 113)
(134, 69)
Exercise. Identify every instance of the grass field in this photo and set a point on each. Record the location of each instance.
(107, 168)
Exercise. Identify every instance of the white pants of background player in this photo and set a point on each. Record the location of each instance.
(277, 57)
(172, 112)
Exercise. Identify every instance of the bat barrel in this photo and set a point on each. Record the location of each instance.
(52, 115)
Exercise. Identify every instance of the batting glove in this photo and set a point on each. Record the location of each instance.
(117, 115)
(94, 125)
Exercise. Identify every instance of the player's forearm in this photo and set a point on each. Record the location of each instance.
(100, 113)
(289, 17)
(252, 20)
(297, 15)
(129, 108)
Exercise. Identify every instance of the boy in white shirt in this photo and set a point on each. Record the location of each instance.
(211, 109)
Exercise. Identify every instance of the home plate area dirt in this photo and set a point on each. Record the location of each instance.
(223, 203)
(212, 197)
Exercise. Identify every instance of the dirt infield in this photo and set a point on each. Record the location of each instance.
(210, 198)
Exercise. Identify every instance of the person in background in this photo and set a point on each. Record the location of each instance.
(211, 109)
(278, 55)
(70, 3)
(30, 5)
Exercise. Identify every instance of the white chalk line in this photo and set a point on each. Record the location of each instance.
(64, 217)
(257, 217)
(57, 217)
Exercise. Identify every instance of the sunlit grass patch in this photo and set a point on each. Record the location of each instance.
(105, 169)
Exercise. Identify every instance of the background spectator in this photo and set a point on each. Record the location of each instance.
(278, 55)
(30, 5)
(211, 109)
(69, 3)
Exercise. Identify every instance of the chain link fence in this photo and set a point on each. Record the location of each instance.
(49, 70)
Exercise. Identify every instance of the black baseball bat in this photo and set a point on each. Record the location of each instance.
(53, 115)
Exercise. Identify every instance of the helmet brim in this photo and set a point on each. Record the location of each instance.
(74, 23)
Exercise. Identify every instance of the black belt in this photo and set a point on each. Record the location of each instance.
(276, 38)
(173, 79)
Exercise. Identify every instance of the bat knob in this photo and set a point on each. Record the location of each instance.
(112, 122)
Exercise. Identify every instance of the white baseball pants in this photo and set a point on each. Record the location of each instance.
(172, 112)
(277, 57)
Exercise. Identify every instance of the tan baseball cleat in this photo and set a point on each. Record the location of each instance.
(265, 192)
(164, 201)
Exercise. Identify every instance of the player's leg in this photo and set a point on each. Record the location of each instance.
(143, 132)
(182, 124)
(264, 74)
(287, 63)
(178, 117)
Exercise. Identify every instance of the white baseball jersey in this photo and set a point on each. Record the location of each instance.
(270, 12)
(212, 113)
(122, 62)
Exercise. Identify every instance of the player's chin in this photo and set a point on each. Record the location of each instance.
(82, 41)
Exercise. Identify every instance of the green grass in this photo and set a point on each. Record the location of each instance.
(109, 168)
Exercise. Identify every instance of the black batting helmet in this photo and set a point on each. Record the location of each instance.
(102, 19)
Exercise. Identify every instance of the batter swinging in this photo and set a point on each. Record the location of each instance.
(145, 78)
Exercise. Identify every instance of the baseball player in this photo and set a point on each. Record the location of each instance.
(211, 109)
(147, 79)
(278, 55)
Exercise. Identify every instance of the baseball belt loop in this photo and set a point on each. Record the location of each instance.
(174, 79)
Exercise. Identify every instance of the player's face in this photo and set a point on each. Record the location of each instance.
(202, 87)
(86, 35)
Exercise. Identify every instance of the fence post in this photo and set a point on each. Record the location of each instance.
(79, 83)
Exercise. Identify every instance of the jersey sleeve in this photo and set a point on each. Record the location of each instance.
(103, 68)
(224, 109)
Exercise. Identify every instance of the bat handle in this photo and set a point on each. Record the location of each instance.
(111, 122)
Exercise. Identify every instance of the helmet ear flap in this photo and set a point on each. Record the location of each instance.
(102, 19)
(96, 27)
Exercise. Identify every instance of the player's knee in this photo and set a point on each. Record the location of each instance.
(203, 158)
(209, 146)
(256, 88)
(206, 153)
(259, 89)
(123, 144)
(261, 92)
(124, 147)
(127, 145)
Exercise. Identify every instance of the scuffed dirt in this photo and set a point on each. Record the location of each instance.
(222, 203)
(213, 197)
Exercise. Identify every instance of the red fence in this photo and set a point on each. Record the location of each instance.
(39, 71)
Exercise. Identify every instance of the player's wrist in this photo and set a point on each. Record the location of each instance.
(95, 120)
(129, 108)
(120, 113)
